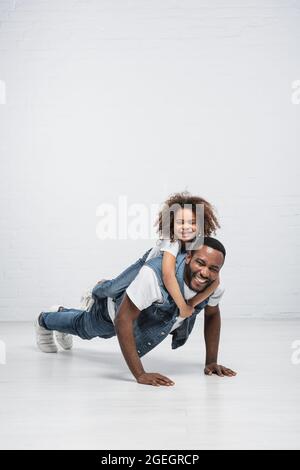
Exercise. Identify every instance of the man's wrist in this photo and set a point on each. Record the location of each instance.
(139, 374)
(211, 361)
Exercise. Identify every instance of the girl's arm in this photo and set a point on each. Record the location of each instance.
(170, 281)
(198, 298)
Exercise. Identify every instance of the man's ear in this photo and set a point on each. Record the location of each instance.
(188, 257)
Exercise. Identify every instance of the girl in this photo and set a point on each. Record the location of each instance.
(178, 227)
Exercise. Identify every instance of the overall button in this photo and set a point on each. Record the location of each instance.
(163, 333)
(149, 344)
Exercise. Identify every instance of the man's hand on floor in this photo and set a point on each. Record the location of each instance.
(153, 378)
(219, 370)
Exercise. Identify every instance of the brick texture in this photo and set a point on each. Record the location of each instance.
(143, 98)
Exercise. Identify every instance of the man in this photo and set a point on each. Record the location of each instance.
(137, 307)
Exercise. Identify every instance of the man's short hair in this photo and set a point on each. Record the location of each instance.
(212, 243)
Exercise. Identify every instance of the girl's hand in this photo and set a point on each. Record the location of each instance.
(197, 299)
(215, 284)
(186, 311)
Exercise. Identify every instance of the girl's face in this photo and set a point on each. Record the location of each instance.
(185, 228)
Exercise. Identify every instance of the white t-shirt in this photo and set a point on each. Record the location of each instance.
(144, 291)
(165, 245)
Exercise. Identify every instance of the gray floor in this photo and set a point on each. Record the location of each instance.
(87, 399)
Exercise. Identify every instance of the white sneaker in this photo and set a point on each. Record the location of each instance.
(44, 339)
(65, 340)
(54, 308)
(87, 301)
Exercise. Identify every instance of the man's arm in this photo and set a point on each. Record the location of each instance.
(128, 312)
(212, 328)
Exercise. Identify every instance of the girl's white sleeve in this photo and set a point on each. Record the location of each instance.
(170, 247)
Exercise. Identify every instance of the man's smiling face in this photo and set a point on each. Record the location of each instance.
(202, 267)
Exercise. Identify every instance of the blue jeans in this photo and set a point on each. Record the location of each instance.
(86, 325)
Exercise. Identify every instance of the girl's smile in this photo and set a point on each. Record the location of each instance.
(185, 226)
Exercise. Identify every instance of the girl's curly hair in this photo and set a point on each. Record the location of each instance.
(165, 220)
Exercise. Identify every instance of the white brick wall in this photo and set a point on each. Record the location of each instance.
(143, 98)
